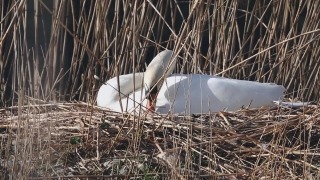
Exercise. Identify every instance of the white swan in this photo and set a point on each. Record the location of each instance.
(184, 94)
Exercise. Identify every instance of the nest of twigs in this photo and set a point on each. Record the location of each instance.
(79, 140)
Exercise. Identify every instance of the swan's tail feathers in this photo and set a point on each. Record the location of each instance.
(292, 104)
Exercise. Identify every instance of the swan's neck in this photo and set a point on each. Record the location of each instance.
(158, 70)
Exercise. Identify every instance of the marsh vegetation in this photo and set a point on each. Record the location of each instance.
(50, 51)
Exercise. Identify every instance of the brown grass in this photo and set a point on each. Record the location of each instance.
(50, 50)
(81, 141)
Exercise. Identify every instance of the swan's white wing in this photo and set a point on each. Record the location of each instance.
(233, 94)
(187, 94)
(203, 93)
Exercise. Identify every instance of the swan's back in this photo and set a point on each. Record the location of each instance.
(234, 94)
(203, 93)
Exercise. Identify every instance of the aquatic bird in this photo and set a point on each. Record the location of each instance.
(159, 91)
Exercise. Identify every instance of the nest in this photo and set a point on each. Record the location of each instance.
(78, 140)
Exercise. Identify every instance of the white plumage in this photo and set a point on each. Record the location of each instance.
(188, 93)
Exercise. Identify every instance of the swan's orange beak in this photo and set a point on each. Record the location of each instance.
(151, 103)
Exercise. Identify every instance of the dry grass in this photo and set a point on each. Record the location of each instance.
(82, 141)
(50, 50)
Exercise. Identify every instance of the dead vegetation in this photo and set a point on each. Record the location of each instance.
(50, 50)
(77, 140)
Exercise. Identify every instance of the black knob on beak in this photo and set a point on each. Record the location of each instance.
(150, 93)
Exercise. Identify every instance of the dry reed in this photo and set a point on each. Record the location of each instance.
(75, 140)
(50, 50)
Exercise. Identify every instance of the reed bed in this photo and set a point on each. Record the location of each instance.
(51, 50)
(78, 140)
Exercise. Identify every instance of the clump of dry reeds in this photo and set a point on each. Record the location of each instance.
(77, 140)
(50, 50)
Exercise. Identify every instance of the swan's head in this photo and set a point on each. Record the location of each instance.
(159, 68)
